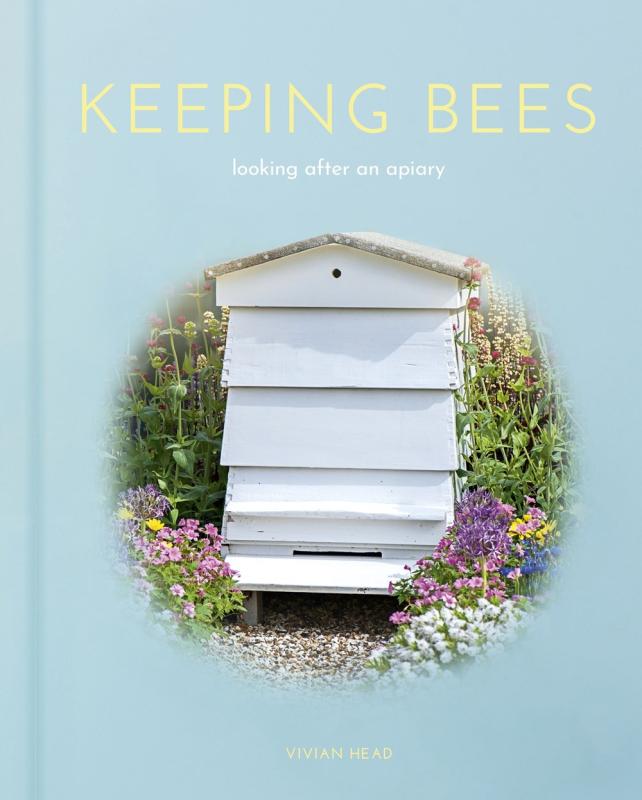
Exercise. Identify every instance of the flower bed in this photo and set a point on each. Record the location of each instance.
(178, 568)
(493, 565)
(165, 446)
(476, 588)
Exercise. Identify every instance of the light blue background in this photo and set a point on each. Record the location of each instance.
(103, 223)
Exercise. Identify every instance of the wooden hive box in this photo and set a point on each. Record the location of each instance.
(340, 365)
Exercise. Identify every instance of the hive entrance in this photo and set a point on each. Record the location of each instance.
(340, 553)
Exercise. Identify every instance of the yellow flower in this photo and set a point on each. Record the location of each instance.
(154, 524)
(527, 517)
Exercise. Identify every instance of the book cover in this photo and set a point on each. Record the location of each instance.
(320, 388)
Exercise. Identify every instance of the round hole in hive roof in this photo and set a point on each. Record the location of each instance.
(336, 273)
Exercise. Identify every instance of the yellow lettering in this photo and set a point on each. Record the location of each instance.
(523, 108)
(476, 108)
(228, 107)
(133, 107)
(380, 115)
(570, 99)
(94, 107)
(447, 108)
(182, 108)
(267, 108)
(295, 94)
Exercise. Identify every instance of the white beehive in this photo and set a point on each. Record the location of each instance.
(339, 434)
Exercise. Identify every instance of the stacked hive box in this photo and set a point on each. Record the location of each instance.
(340, 364)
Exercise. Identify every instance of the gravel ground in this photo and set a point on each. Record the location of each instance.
(307, 639)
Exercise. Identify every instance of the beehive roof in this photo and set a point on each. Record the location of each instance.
(418, 255)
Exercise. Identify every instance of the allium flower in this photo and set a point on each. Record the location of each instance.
(480, 527)
(143, 503)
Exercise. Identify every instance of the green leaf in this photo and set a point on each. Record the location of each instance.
(184, 459)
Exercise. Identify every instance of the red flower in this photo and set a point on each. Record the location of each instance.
(181, 320)
(169, 368)
(495, 355)
(528, 361)
(474, 303)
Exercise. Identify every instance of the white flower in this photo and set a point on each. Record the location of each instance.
(441, 636)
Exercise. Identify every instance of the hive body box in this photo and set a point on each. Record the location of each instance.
(339, 434)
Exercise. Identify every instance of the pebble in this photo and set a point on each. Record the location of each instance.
(310, 640)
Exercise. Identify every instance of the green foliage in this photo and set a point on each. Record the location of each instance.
(513, 424)
(168, 416)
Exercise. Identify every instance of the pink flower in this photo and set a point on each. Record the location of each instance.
(530, 500)
(174, 554)
(207, 287)
(528, 361)
(189, 609)
(514, 574)
(474, 303)
(471, 262)
(495, 354)
(181, 320)
(476, 275)
(400, 617)
(177, 590)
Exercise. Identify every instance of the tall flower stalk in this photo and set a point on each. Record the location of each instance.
(513, 423)
(170, 406)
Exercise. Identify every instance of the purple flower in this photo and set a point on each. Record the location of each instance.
(177, 590)
(189, 610)
(480, 526)
(139, 504)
